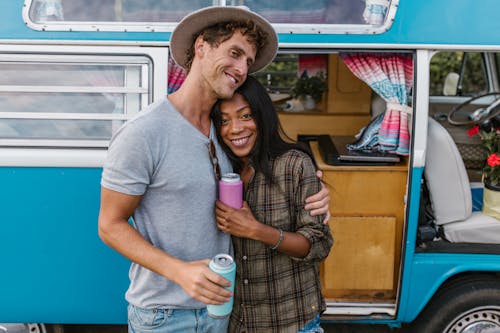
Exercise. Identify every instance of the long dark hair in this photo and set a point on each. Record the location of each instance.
(270, 141)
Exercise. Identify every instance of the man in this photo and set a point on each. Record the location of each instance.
(160, 171)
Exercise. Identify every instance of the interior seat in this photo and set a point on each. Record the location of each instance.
(450, 193)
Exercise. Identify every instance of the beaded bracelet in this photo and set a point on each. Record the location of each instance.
(279, 240)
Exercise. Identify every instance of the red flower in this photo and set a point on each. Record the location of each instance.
(473, 131)
(493, 160)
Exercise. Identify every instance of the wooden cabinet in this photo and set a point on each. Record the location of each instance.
(362, 258)
(346, 93)
(367, 207)
(295, 123)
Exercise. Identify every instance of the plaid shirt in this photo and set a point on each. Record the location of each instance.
(275, 292)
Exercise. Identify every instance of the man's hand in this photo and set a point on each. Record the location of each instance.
(201, 283)
(318, 203)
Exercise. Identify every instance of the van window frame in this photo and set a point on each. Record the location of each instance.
(143, 92)
(283, 28)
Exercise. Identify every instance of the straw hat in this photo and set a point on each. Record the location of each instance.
(182, 36)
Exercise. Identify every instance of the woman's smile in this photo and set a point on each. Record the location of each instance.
(239, 142)
(238, 129)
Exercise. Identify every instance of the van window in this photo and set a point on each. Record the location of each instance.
(295, 75)
(306, 16)
(281, 74)
(69, 100)
(468, 69)
(312, 11)
(113, 11)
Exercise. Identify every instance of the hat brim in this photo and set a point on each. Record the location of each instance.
(182, 36)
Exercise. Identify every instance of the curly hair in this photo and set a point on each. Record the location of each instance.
(218, 33)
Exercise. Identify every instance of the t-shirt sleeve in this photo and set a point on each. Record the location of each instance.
(129, 163)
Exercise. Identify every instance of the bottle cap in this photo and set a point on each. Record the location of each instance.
(230, 178)
(222, 261)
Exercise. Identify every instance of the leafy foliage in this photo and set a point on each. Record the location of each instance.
(491, 145)
(281, 74)
(314, 86)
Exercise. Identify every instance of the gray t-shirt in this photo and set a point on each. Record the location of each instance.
(160, 155)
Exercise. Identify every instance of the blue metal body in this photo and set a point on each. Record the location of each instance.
(424, 273)
(55, 269)
(440, 22)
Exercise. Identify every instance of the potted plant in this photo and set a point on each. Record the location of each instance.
(311, 88)
(491, 170)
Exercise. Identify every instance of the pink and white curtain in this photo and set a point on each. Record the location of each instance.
(391, 77)
(176, 76)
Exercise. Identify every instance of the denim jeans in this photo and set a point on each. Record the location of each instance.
(312, 326)
(173, 321)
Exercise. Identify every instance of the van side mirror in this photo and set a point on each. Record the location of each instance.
(451, 84)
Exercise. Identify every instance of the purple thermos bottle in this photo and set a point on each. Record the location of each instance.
(231, 190)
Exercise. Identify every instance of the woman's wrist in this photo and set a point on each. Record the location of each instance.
(280, 239)
(265, 234)
(271, 236)
(257, 230)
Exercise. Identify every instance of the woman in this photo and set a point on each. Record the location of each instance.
(278, 245)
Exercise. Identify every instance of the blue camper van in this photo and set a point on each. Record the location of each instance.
(417, 236)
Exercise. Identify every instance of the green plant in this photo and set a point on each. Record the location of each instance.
(314, 86)
(491, 146)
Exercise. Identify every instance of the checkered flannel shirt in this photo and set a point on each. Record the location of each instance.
(275, 292)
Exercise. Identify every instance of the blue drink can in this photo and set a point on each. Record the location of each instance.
(224, 265)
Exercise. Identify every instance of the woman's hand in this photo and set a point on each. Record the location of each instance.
(242, 223)
(237, 222)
